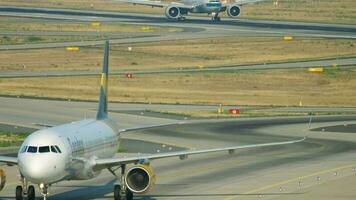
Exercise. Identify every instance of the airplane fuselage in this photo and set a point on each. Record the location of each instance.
(67, 152)
(204, 6)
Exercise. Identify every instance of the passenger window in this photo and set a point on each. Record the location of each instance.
(58, 149)
(53, 149)
(32, 149)
(44, 149)
(23, 150)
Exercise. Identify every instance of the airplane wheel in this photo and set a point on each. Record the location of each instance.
(129, 195)
(31, 195)
(19, 193)
(117, 192)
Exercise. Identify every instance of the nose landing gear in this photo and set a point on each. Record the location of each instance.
(44, 191)
(215, 17)
(22, 190)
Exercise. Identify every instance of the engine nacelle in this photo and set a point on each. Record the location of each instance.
(233, 10)
(2, 179)
(140, 178)
(172, 12)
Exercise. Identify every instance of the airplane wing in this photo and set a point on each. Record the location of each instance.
(111, 162)
(159, 4)
(244, 2)
(148, 127)
(8, 160)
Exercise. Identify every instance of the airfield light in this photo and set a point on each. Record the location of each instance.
(73, 48)
(234, 111)
(316, 69)
(95, 24)
(145, 28)
(129, 75)
(288, 38)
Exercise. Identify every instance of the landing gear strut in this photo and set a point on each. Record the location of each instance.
(215, 17)
(44, 190)
(120, 189)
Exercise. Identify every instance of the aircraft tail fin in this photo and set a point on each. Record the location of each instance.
(103, 98)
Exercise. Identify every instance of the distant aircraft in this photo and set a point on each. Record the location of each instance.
(82, 149)
(178, 10)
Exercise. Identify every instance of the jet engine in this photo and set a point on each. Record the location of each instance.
(2, 179)
(233, 10)
(173, 12)
(140, 178)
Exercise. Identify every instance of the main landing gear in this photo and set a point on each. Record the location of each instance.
(120, 189)
(22, 190)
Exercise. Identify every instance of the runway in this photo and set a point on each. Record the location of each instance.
(195, 27)
(248, 174)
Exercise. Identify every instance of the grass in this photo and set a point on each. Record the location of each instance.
(209, 52)
(11, 40)
(121, 149)
(29, 24)
(8, 139)
(329, 11)
(270, 88)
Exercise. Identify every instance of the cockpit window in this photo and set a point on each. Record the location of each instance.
(58, 149)
(44, 149)
(32, 149)
(53, 149)
(23, 150)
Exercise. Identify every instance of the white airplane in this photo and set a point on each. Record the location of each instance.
(178, 10)
(82, 149)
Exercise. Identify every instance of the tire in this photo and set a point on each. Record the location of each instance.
(31, 195)
(19, 193)
(117, 192)
(129, 195)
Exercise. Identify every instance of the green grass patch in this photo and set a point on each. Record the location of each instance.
(121, 149)
(8, 139)
(32, 39)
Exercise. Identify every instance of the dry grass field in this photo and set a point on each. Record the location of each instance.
(180, 54)
(333, 87)
(329, 11)
(9, 40)
(28, 24)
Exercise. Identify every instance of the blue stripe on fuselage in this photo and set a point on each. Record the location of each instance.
(213, 4)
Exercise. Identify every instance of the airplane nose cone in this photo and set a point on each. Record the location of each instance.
(39, 170)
